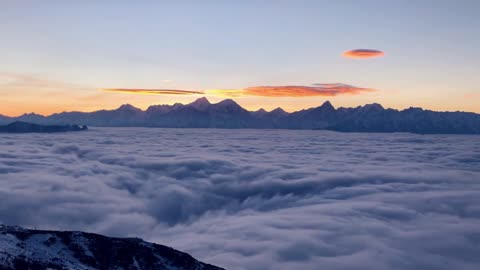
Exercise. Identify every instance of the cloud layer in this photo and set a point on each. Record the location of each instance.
(319, 89)
(363, 54)
(254, 199)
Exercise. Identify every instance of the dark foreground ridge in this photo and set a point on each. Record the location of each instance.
(40, 250)
(23, 127)
(228, 114)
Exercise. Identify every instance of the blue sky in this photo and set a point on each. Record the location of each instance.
(431, 51)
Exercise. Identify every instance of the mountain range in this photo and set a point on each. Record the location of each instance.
(56, 250)
(228, 114)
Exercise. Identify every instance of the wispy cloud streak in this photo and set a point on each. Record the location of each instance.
(153, 91)
(319, 89)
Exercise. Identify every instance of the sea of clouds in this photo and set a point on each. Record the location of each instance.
(256, 199)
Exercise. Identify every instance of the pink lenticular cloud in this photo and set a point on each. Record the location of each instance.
(363, 54)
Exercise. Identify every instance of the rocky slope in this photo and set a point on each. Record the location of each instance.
(41, 250)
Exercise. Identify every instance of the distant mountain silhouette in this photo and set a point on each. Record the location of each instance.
(42, 250)
(24, 127)
(228, 114)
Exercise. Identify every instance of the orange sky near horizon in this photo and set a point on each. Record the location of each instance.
(54, 103)
(27, 93)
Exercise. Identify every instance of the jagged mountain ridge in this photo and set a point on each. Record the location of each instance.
(228, 114)
(41, 250)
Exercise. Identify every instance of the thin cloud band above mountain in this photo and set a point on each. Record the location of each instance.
(318, 89)
(152, 91)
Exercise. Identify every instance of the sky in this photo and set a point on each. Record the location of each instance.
(89, 55)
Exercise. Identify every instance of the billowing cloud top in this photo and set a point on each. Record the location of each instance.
(319, 89)
(256, 199)
(363, 53)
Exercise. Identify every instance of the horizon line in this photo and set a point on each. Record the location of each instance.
(184, 104)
